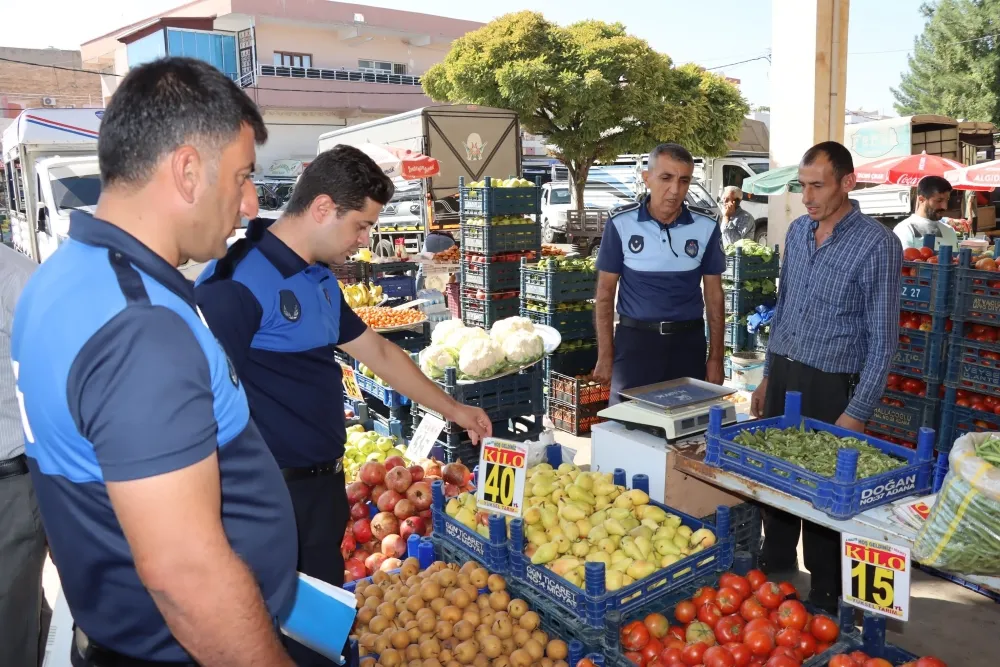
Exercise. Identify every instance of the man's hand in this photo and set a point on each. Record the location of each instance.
(473, 420)
(714, 372)
(757, 399)
(602, 371)
(850, 423)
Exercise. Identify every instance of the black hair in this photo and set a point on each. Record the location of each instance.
(933, 185)
(163, 105)
(347, 175)
(672, 151)
(838, 155)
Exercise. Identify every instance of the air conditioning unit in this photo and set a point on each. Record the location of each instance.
(49, 101)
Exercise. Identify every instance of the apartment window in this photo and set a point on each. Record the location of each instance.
(382, 66)
(283, 59)
(214, 48)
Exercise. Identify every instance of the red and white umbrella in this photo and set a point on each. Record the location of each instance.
(402, 163)
(982, 177)
(905, 169)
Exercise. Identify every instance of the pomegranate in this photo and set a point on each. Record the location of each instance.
(384, 524)
(357, 492)
(398, 479)
(377, 492)
(355, 569)
(416, 473)
(394, 546)
(432, 469)
(361, 555)
(387, 501)
(419, 494)
(374, 562)
(394, 462)
(425, 515)
(362, 530)
(359, 510)
(412, 526)
(348, 545)
(455, 473)
(450, 490)
(404, 509)
(372, 473)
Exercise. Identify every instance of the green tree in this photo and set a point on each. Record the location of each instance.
(589, 88)
(955, 66)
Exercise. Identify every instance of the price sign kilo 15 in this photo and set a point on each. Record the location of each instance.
(876, 576)
(351, 387)
(502, 468)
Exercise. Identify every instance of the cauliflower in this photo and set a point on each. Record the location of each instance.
(436, 358)
(505, 327)
(480, 358)
(459, 337)
(443, 329)
(523, 347)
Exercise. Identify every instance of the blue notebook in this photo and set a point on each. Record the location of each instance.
(321, 617)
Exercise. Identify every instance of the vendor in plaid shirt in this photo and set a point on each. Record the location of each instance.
(833, 337)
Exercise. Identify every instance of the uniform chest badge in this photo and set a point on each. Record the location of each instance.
(636, 243)
(233, 377)
(691, 248)
(327, 295)
(290, 308)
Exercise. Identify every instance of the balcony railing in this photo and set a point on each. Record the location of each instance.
(342, 74)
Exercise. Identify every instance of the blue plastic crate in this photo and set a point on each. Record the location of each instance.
(871, 640)
(746, 524)
(740, 267)
(842, 496)
(921, 355)
(551, 287)
(498, 394)
(495, 239)
(977, 293)
(740, 302)
(490, 201)
(571, 324)
(589, 606)
(486, 274)
(397, 287)
(489, 552)
(957, 420)
(972, 366)
(927, 288)
(383, 268)
(487, 312)
(901, 415)
(390, 398)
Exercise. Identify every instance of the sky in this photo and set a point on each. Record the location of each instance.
(712, 33)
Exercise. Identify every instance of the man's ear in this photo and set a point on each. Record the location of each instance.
(321, 208)
(848, 182)
(186, 168)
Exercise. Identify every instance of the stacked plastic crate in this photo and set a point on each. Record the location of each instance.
(559, 293)
(914, 389)
(749, 281)
(499, 226)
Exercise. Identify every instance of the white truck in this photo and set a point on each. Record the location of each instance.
(50, 169)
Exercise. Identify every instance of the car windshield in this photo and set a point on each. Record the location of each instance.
(759, 167)
(76, 192)
(560, 196)
(698, 196)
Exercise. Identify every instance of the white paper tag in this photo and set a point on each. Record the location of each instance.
(424, 437)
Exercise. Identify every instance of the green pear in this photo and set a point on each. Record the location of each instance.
(681, 542)
(583, 526)
(597, 533)
(603, 488)
(585, 481)
(601, 502)
(570, 530)
(640, 569)
(542, 467)
(617, 556)
(652, 525)
(669, 560)
(466, 517)
(483, 530)
(542, 488)
(571, 512)
(612, 580)
(665, 531)
(684, 531)
(532, 515)
(641, 531)
(665, 546)
(608, 545)
(623, 501)
(645, 546)
(622, 565)
(575, 578)
(619, 513)
(580, 549)
(630, 523)
(562, 543)
(599, 557)
(614, 527)
(703, 537)
(673, 520)
(581, 495)
(545, 554)
(549, 518)
(451, 509)
(628, 545)
(651, 512)
(568, 467)
(535, 501)
(597, 518)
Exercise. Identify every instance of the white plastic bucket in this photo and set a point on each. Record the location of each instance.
(748, 369)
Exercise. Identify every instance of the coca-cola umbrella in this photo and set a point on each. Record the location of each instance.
(982, 177)
(401, 162)
(904, 169)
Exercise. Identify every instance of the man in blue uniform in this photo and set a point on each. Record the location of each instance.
(660, 257)
(278, 311)
(167, 518)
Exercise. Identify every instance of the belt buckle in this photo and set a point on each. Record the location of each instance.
(662, 332)
(338, 465)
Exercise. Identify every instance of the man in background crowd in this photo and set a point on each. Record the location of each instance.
(933, 193)
(736, 223)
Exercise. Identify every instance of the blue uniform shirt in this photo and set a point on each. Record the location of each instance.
(661, 265)
(120, 379)
(280, 319)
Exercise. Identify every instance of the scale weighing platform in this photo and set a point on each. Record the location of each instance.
(675, 409)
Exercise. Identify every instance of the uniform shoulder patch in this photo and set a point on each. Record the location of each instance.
(691, 247)
(290, 308)
(625, 208)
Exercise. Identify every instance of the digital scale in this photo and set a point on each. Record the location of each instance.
(675, 409)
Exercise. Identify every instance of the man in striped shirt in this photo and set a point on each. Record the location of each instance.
(833, 336)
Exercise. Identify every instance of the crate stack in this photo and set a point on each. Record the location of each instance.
(397, 279)
(499, 226)
(914, 388)
(559, 292)
(748, 282)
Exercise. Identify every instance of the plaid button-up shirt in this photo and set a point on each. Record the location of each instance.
(838, 304)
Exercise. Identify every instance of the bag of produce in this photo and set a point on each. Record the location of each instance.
(962, 532)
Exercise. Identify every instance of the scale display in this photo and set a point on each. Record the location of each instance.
(676, 394)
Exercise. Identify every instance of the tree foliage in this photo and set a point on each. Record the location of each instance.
(589, 88)
(955, 66)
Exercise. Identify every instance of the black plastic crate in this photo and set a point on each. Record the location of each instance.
(551, 286)
(352, 272)
(495, 239)
(740, 301)
(745, 520)
(573, 361)
(497, 396)
(387, 268)
(491, 201)
(572, 324)
(741, 267)
(490, 274)
(576, 420)
(411, 340)
(486, 312)
(454, 444)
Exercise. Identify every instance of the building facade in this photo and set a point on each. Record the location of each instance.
(312, 67)
(33, 78)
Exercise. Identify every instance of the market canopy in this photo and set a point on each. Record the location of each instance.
(401, 162)
(982, 177)
(773, 182)
(904, 169)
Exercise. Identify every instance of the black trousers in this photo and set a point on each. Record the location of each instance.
(646, 357)
(824, 397)
(321, 515)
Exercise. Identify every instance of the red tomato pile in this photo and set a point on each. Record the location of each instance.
(745, 621)
(905, 385)
(861, 659)
(925, 255)
(919, 321)
(983, 333)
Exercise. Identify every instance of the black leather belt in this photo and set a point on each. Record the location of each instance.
(85, 653)
(663, 328)
(14, 467)
(319, 470)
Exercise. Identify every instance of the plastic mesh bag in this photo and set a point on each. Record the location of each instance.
(962, 532)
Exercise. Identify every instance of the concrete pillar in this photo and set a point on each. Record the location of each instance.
(808, 89)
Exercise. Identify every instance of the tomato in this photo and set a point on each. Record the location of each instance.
(986, 264)
(740, 652)
(759, 642)
(652, 649)
(756, 579)
(792, 614)
(788, 637)
(774, 618)
(859, 657)
(729, 629)
(735, 582)
(657, 624)
(728, 600)
(911, 386)
(911, 255)
(703, 595)
(673, 642)
(822, 647)
(634, 636)
(930, 661)
(782, 661)
(763, 625)
(700, 632)
(717, 656)
(709, 614)
(586, 662)
(685, 611)
(962, 403)
(926, 252)
(807, 644)
(677, 631)
(788, 590)
(786, 651)
(825, 629)
(842, 660)
(693, 653)
(877, 662)
(769, 595)
(635, 658)
(655, 662)
(751, 609)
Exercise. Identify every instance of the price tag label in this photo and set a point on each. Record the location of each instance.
(351, 387)
(876, 576)
(424, 437)
(502, 468)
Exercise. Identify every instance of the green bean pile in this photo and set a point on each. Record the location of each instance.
(989, 451)
(816, 451)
